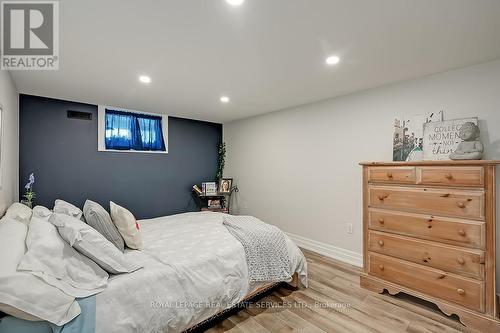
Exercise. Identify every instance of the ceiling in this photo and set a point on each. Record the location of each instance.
(265, 55)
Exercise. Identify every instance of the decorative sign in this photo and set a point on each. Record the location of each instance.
(442, 138)
(409, 134)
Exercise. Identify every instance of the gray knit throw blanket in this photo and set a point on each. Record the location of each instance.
(265, 248)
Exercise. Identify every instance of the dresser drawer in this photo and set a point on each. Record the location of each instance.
(466, 292)
(446, 230)
(466, 262)
(457, 203)
(405, 175)
(456, 176)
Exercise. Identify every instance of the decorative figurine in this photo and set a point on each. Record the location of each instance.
(471, 148)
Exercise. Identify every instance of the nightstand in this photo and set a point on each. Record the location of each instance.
(201, 201)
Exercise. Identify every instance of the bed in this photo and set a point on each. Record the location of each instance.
(193, 270)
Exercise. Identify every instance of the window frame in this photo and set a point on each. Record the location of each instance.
(101, 131)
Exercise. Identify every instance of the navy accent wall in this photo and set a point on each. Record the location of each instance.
(62, 152)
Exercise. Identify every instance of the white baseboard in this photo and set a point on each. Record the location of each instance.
(328, 250)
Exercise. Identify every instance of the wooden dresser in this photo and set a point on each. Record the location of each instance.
(429, 231)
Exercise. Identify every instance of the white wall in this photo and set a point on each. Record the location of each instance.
(298, 168)
(9, 101)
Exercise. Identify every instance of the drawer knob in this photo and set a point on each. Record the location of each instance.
(461, 260)
(381, 221)
(389, 175)
(382, 197)
(461, 232)
(381, 267)
(460, 205)
(381, 242)
(460, 291)
(449, 176)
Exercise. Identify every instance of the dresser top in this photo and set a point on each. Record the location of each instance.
(432, 163)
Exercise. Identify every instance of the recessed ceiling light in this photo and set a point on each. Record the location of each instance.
(235, 2)
(144, 79)
(332, 60)
(224, 99)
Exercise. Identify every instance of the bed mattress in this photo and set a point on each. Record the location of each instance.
(193, 269)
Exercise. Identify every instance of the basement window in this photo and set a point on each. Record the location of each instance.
(131, 131)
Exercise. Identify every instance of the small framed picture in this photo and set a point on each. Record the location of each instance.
(209, 188)
(215, 203)
(225, 185)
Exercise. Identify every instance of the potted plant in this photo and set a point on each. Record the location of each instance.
(222, 161)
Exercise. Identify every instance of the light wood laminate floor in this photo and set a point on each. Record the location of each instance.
(335, 303)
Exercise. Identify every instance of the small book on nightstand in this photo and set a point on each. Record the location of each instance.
(197, 190)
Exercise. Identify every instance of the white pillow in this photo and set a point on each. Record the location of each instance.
(57, 263)
(12, 243)
(92, 244)
(39, 212)
(63, 207)
(42, 212)
(23, 295)
(27, 297)
(127, 226)
(20, 212)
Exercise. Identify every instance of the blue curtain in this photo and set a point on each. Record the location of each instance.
(151, 133)
(133, 131)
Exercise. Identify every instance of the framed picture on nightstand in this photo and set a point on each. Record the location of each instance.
(209, 188)
(214, 203)
(225, 185)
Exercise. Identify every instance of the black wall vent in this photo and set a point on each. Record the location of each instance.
(79, 115)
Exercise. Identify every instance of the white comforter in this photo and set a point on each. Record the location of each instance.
(193, 268)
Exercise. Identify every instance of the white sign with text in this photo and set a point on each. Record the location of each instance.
(442, 138)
